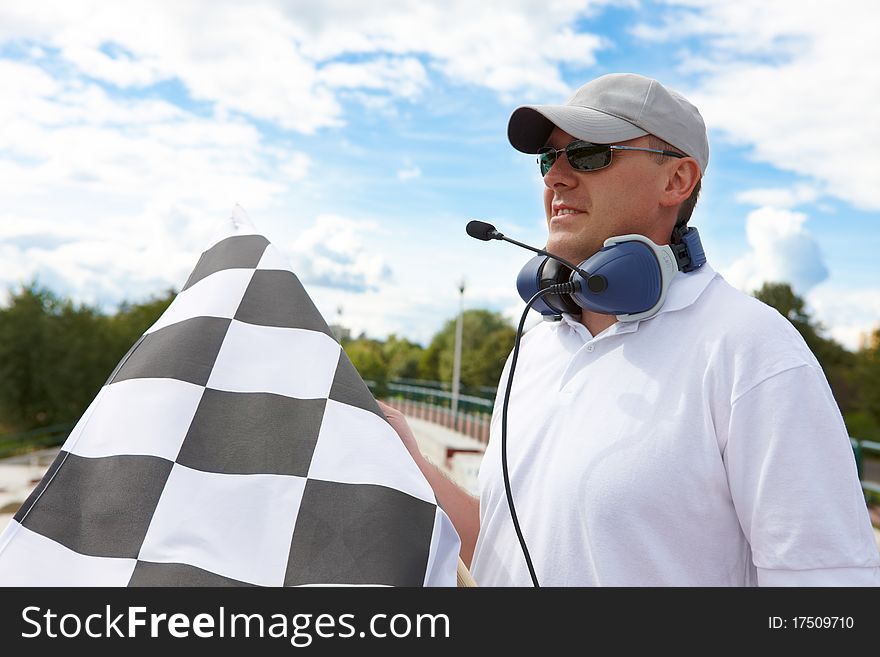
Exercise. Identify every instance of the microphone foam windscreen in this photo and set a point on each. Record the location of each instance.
(480, 230)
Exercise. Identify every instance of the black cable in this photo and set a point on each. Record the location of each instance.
(561, 288)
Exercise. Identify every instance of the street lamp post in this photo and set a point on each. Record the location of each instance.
(456, 363)
(338, 331)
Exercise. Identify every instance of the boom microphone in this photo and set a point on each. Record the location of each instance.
(483, 231)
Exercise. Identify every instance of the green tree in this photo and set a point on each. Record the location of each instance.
(77, 358)
(131, 321)
(790, 305)
(55, 356)
(864, 421)
(402, 356)
(24, 338)
(369, 360)
(487, 339)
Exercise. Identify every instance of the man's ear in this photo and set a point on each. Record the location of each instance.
(683, 176)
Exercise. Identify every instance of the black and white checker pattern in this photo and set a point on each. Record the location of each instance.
(234, 445)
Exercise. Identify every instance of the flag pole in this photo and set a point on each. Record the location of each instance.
(464, 579)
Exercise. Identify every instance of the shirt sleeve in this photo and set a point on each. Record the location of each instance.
(794, 485)
(820, 577)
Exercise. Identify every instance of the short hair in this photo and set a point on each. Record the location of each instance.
(686, 209)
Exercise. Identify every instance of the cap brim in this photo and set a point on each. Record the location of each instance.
(530, 126)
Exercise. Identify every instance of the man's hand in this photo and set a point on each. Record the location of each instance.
(398, 422)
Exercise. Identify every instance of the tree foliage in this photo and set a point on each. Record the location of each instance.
(402, 357)
(55, 356)
(864, 421)
(369, 360)
(487, 339)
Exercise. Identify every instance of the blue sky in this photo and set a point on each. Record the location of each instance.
(361, 138)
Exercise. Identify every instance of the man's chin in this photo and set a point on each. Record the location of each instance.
(568, 252)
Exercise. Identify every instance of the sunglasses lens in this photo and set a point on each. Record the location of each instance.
(546, 158)
(585, 157)
(588, 158)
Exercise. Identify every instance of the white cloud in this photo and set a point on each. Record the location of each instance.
(401, 76)
(70, 134)
(243, 58)
(506, 47)
(79, 268)
(124, 70)
(106, 198)
(331, 253)
(779, 197)
(133, 227)
(422, 291)
(788, 79)
(281, 62)
(409, 173)
(782, 251)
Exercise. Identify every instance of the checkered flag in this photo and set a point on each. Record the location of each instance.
(235, 444)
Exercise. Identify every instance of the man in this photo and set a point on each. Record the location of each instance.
(700, 446)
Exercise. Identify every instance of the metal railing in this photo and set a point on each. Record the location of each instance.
(22, 442)
(432, 401)
(860, 449)
(469, 423)
(439, 397)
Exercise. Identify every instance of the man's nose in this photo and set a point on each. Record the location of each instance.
(560, 173)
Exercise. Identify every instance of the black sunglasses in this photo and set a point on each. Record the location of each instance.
(584, 156)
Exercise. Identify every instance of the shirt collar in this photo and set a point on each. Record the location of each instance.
(685, 289)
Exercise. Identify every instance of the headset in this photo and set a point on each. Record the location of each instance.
(628, 277)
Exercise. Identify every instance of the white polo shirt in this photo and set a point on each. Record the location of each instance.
(700, 447)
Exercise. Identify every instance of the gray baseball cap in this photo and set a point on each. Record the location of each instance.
(615, 108)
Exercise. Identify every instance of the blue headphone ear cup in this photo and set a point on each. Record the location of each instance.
(631, 279)
(539, 273)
